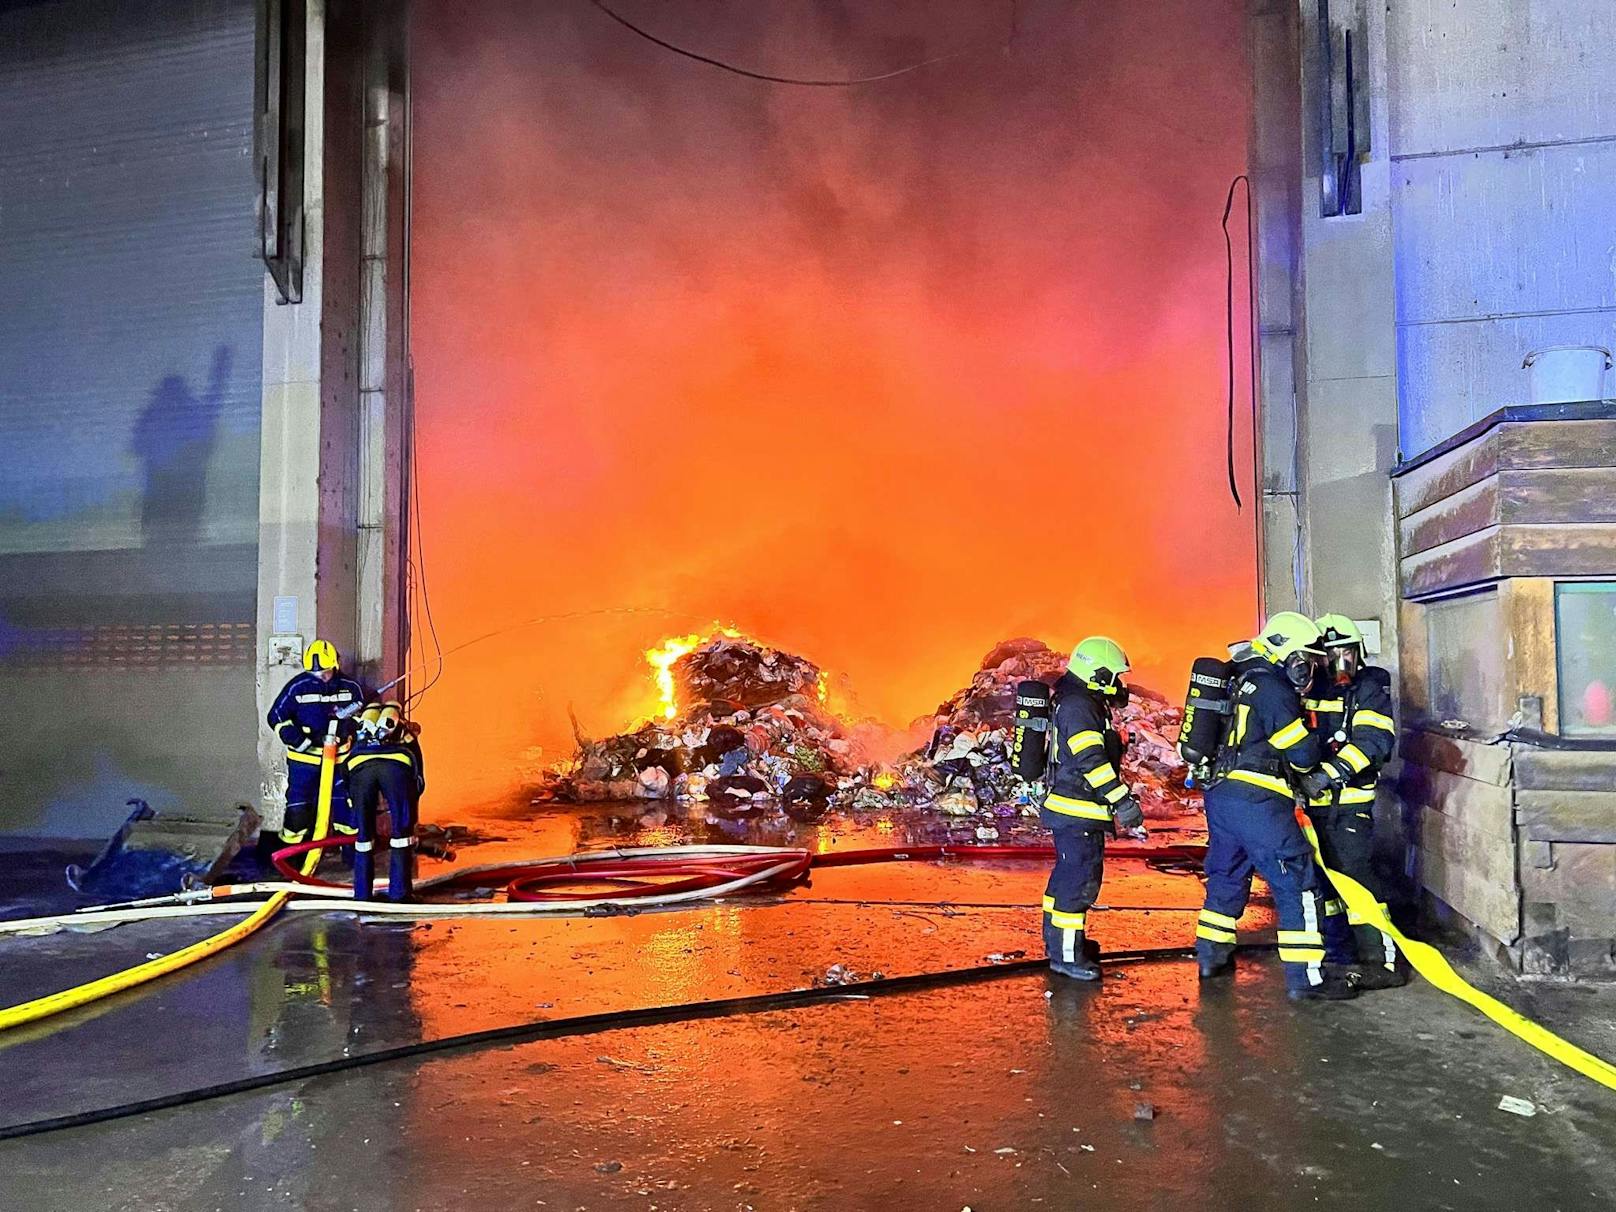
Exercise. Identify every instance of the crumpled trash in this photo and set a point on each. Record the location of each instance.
(1517, 1106)
(757, 737)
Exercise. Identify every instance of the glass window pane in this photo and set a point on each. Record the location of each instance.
(1585, 650)
(1466, 662)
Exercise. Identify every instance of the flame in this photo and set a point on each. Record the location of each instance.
(885, 781)
(662, 657)
(822, 689)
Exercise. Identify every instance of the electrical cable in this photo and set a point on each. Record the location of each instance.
(585, 1024)
(773, 79)
(1228, 253)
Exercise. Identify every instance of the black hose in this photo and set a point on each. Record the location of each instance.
(583, 1024)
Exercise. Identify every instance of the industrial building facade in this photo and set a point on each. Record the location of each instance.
(204, 406)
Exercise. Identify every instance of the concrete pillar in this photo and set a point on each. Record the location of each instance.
(331, 460)
(290, 452)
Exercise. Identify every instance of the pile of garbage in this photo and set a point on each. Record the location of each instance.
(747, 730)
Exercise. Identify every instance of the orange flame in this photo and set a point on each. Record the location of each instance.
(662, 657)
(885, 781)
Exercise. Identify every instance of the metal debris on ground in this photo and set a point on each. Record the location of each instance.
(748, 730)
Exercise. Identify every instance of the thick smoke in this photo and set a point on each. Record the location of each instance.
(881, 375)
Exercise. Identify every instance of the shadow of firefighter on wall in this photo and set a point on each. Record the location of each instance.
(173, 439)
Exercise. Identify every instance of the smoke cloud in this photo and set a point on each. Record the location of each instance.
(881, 375)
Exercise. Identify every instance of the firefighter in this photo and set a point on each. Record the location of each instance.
(1086, 799)
(1251, 813)
(1352, 716)
(386, 763)
(300, 716)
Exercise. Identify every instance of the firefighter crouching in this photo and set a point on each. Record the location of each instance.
(1086, 797)
(386, 764)
(1251, 812)
(1352, 716)
(300, 716)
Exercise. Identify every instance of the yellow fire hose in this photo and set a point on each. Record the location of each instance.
(106, 986)
(1430, 963)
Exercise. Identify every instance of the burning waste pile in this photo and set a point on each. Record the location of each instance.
(746, 729)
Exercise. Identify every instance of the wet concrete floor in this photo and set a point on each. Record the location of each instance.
(1022, 1091)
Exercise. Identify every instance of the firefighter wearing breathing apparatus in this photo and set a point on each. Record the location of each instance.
(1086, 798)
(386, 763)
(1251, 812)
(300, 716)
(1352, 716)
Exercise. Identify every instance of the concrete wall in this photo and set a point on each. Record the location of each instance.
(1503, 140)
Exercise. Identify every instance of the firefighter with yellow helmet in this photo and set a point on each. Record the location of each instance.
(386, 764)
(1351, 712)
(300, 716)
(1251, 812)
(1086, 799)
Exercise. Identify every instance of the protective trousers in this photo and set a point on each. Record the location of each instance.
(368, 783)
(1073, 886)
(1346, 837)
(1250, 835)
(303, 794)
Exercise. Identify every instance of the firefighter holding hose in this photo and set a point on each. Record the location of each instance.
(1251, 812)
(386, 764)
(1352, 717)
(300, 716)
(1086, 799)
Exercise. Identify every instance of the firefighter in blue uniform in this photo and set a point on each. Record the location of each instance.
(1352, 717)
(386, 764)
(1087, 798)
(1251, 813)
(300, 716)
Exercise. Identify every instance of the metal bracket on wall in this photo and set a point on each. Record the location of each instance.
(278, 142)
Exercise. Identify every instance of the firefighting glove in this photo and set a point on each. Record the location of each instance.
(1314, 783)
(1128, 815)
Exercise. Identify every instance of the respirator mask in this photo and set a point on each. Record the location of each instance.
(1345, 663)
(1299, 669)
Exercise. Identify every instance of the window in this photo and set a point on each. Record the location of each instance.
(1585, 654)
(1465, 660)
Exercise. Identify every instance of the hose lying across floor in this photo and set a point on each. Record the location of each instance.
(642, 877)
(588, 1024)
(261, 913)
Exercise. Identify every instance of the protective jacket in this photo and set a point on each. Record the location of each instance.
(305, 707)
(404, 751)
(1354, 724)
(1086, 750)
(1268, 739)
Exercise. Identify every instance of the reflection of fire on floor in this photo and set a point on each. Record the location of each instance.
(747, 730)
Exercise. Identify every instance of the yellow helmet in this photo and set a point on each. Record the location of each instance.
(1100, 662)
(1285, 634)
(1338, 630)
(321, 654)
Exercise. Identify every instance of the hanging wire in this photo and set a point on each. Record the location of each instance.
(1228, 252)
(797, 80)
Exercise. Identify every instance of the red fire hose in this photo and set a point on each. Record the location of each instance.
(632, 876)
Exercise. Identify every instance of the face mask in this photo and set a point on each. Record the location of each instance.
(1299, 670)
(1344, 664)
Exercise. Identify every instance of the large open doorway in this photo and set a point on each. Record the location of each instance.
(882, 375)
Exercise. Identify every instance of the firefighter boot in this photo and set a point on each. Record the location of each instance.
(1069, 954)
(1331, 989)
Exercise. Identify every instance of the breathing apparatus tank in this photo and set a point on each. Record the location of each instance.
(1206, 709)
(1029, 745)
